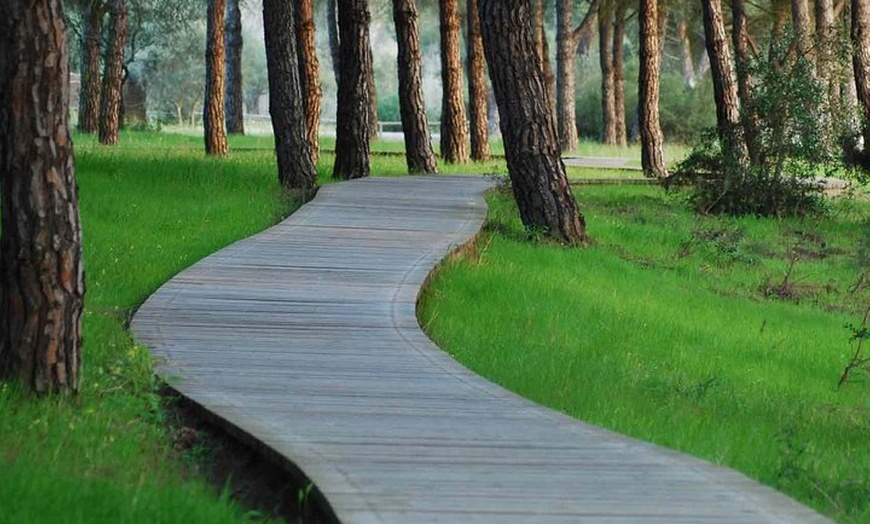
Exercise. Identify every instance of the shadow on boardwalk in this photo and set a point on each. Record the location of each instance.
(304, 339)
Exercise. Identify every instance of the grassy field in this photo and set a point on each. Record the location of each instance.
(679, 330)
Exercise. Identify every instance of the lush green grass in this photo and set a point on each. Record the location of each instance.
(149, 209)
(664, 330)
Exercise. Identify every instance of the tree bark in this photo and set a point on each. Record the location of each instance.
(374, 120)
(41, 277)
(800, 15)
(749, 120)
(454, 124)
(415, 123)
(309, 72)
(724, 87)
(686, 60)
(354, 104)
(860, 33)
(477, 90)
(89, 97)
(213, 118)
(619, 74)
(110, 96)
(543, 48)
(826, 44)
(531, 142)
(651, 138)
(296, 170)
(565, 54)
(234, 98)
(608, 79)
(332, 32)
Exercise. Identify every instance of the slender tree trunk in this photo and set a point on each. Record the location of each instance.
(110, 96)
(213, 118)
(543, 48)
(374, 120)
(454, 124)
(477, 90)
(296, 170)
(826, 55)
(41, 277)
(332, 32)
(619, 74)
(565, 54)
(309, 72)
(861, 61)
(749, 119)
(688, 65)
(724, 87)
(800, 15)
(235, 102)
(608, 80)
(532, 149)
(415, 123)
(354, 104)
(89, 97)
(651, 138)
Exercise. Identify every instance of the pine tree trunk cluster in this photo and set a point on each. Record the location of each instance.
(528, 127)
(477, 90)
(110, 96)
(354, 103)
(415, 124)
(41, 276)
(296, 170)
(234, 100)
(309, 72)
(89, 97)
(213, 116)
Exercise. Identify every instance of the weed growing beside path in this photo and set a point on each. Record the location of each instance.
(680, 330)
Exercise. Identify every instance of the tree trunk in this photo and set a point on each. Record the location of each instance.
(565, 54)
(724, 87)
(528, 128)
(740, 36)
(309, 72)
(213, 118)
(651, 138)
(415, 123)
(89, 97)
(800, 15)
(861, 61)
(332, 32)
(477, 91)
(234, 98)
(134, 101)
(688, 65)
(826, 44)
(354, 104)
(454, 124)
(110, 96)
(543, 48)
(608, 80)
(41, 277)
(374, 127)
(296, 169)
(619, 74)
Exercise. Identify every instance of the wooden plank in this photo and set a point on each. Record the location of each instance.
(304, 338)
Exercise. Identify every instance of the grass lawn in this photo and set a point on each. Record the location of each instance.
(676, 329)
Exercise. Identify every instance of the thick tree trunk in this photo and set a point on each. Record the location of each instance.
(235, 102)
(309, 72)
(740, 37)
(354, 104)
(332, 33)
(565, 54)
(800, 16)
(110, 95)
(608, 80)
(89, 96)
(724, 87)
(415, 123)
(686, 60)
(543, 48)
(861, 61)
(532, 149)
(454, 124)
(213, 118)
(619, 74)
(477, 90)
(296, 170)
(651, 138)
(41, 277)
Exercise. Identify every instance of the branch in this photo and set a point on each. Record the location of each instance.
(587, 26)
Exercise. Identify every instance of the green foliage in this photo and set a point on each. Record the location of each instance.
(659, 331)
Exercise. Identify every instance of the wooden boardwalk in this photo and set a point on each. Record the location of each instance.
(304, 338)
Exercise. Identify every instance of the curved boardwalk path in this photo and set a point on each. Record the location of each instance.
(304, 338)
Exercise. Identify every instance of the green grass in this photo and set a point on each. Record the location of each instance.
(662, 331)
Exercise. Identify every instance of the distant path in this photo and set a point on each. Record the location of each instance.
(304, 338)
